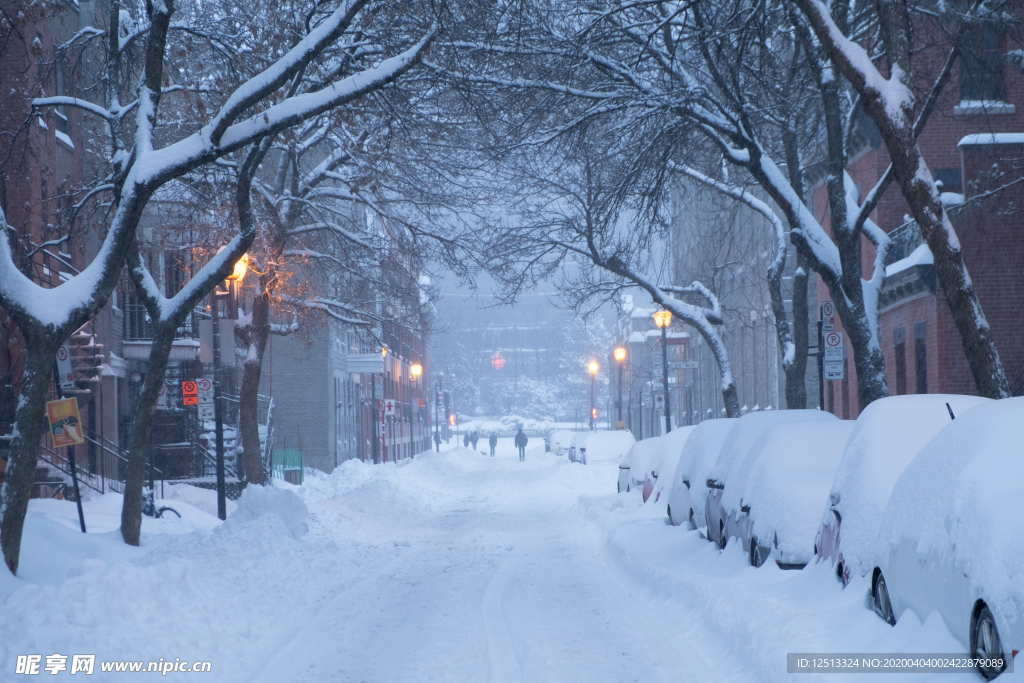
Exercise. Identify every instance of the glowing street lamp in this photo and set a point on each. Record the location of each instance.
(663, 319)
(592, 368)
(620, 355)
(415, 370)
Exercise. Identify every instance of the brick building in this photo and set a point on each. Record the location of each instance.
(974, 145)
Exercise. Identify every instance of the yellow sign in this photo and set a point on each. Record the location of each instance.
(65, 424)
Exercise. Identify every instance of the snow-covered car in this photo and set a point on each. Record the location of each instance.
(633, 466)
(578, 447)
(887, 436)
(689, 485)
(782, 492)
(733, 458)
(951, 539)
(663, 465)
(558, 441)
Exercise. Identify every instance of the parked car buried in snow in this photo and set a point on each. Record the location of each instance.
(781, 493)
(689, 486)
(733, 459)
(558, 441)
(662, 467)
(952, 540)
(887, 436)
(634, 464)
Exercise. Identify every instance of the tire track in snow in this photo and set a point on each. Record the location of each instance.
(500, 650)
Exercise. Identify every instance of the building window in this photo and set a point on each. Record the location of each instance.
(921, 356)
(951, 179)
(899, 342)
(981, 66)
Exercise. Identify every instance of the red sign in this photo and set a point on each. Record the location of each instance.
(420, 402)
(189, 393)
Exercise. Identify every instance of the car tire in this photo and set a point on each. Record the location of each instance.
(721, 534)
(880, 597)
(670, 521)
(754, 556)
(985, 643)
(618, 488)
(691, 519)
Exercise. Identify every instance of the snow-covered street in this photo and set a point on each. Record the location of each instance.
(451, 566)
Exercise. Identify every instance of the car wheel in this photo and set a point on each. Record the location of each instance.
(986, 645)
(670, 521)
(755, 556)
(721, 534)
(883, 606)
(691, 519)
(618, 488)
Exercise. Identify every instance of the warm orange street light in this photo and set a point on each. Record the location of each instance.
(620, 354)
(663, 318)
(415, 370)
(384, 352)
(592, 368)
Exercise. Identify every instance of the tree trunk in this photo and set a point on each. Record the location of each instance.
(796, 373)
(249, 396)
(30, 423)
(731, 400)
(142, 428)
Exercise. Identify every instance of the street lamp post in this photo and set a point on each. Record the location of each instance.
(437, 406)
(620, 355)
(415, 370)
(218, 409)
(663, 319)
(592, 368)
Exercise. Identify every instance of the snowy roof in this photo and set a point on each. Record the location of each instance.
(992, 139)
(922, 256)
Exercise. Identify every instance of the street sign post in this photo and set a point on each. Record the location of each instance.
(64, 369)
(828, 316)
(189, 393)
(205, 395)
(832, 366)
(659, 401)
(390, 406)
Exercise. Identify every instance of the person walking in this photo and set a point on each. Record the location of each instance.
(474, 436)
(493, 441)
(437, 440)
(465, 440)
(521, 441)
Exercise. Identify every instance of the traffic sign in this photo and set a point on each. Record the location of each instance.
(378, 384)
(659, 401)
(207, 412)
(833, 346)
(205, 387)
(828, 316)
(189, 393)
(66, 374)
(833, 369)
(390, 406)
(420, 402)
(684, 364)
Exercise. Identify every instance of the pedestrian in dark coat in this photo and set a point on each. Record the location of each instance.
(474, 436)
(493, 441)
(521, 441)
(465, 441)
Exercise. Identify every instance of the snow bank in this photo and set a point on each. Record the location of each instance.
(887, 436)
(789, 481)
(963, 495)
(259, 501)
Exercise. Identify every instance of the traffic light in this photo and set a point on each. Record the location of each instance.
(593, 413)
(451, 420)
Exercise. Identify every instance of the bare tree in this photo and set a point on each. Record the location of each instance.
(893, 105)
(300, 82)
